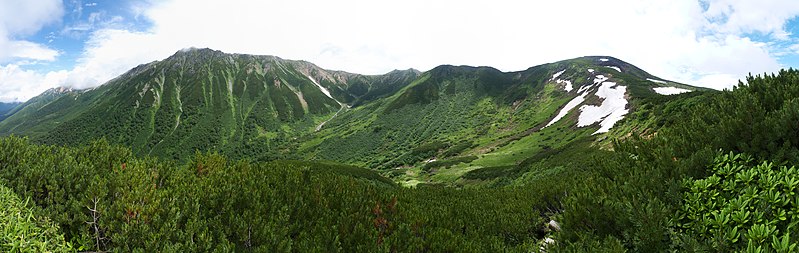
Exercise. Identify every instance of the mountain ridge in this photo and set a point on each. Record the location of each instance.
(7, 108)
(266, 108)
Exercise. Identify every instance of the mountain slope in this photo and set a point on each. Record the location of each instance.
(6, 108)
(416, 127)
(200, 99)
(720, 175)
(42, 113)
(455, 119)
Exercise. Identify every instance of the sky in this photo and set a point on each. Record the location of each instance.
(84, 43)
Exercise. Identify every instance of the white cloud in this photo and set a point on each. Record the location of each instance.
(25, 50)
(746, 16)
(700, 42)
(20, 85)
(25, 17)
(110, 53)
(21, 18)
(794, 48)
(674, 39)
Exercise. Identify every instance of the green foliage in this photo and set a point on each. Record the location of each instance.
(634, 193)
(21, 230)
(104, 198)
(6, 109)
(375, 87)
(664, 187)
(423, 91)
(199, 100)
(492, 172)
(741, 204)
(457, 148)
(448, 162)
(338, 168)
(462, 107)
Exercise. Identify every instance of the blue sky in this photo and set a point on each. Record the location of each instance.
(791, 59)
(82, 44)
(79, 20)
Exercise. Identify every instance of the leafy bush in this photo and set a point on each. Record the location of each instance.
(741, 205)
(457, 148)
(22, 231)
(634, 193)
(104, 198)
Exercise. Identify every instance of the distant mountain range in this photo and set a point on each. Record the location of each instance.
(6, 108)
(434, 126)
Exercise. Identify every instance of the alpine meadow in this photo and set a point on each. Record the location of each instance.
(224, 150)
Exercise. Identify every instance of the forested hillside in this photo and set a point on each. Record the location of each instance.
(670, 190)
(704, 171)
(105, 199)
(414, 127)
(457, 119)
(202, 99)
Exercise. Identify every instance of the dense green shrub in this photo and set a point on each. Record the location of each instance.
(448, 162)
(672, 190)
(741, 204)
(104, 198)
(634, 193)
(21, 230)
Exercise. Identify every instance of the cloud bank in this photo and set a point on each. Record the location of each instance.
(711, 43)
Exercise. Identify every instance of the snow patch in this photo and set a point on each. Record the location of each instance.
(612, 109)
(585, 88)
(599, 79)
(614, 67)
(604, 59)
(590, 70)
(656, 81)
(556, 75)
(568, 107)
(609, 112)
(670, 90)
(325, 91)
(568, 83)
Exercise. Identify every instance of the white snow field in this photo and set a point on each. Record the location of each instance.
(670, 90)
(612, 109)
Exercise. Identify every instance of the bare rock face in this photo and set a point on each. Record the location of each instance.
(553, 225)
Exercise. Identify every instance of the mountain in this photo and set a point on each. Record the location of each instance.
(42, 113)
(584, 155)
(457, 119)
(201, 99)
(429, 127)
(6, 108)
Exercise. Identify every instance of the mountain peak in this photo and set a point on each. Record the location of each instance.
(197, 50)
(58, 90)
(247, 99)
(603, 58)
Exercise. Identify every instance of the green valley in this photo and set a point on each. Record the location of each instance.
(208, 151)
